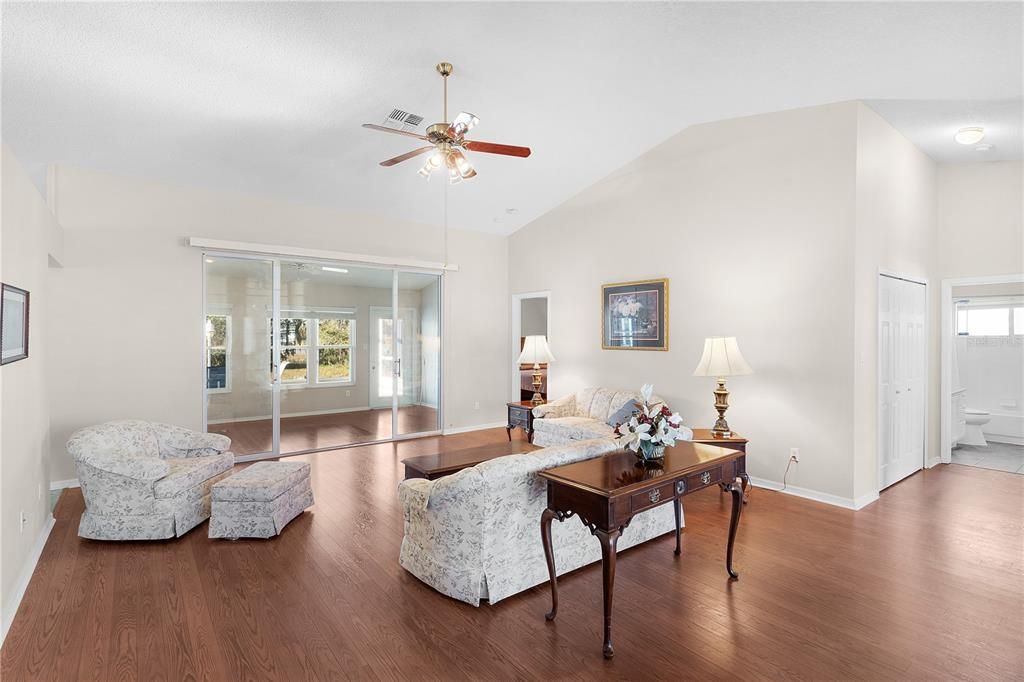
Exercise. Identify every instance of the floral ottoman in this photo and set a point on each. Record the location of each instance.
(259, 501)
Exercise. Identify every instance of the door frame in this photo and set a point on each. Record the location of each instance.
(946, 354)
(517, 328)
(276, 259)
(926, 436)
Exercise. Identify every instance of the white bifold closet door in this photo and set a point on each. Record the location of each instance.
(902, 358)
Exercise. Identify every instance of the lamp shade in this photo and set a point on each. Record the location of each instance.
(722, 358)
(535, 350)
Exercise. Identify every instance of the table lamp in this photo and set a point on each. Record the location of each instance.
(721, 359)
(536, 351)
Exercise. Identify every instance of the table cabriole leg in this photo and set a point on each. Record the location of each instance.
(545, 534)
(609, 540)
(736, 488)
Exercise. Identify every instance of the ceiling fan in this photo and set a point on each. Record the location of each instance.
(447, 140)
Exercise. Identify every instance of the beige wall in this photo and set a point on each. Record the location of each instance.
(752, 220)
(980, 230)
(28, 234)
(895, 233)
(121, 231)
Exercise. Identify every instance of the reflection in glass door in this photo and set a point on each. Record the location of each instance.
(313, 355)
(418, 343)
(238, 388)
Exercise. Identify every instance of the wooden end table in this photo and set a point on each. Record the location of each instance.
(445, 463)
(520, 414)
(607, 492)
(733, 442)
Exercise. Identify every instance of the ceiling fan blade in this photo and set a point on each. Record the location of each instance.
(385, 129)
(406, 156)
(462, 124)
(494, 148)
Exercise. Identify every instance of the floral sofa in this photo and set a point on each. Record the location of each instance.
(146, 481)
(476, 534)
(580, 416)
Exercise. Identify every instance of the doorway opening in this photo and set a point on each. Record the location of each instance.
(983, 373)
(530, 317)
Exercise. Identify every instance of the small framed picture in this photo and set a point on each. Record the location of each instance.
(13, 324)
(635, 315)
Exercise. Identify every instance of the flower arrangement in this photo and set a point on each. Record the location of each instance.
(651, 428)
(628, 306)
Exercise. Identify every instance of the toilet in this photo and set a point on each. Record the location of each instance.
(972, 433)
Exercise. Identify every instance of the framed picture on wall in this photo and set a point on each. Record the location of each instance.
(13, 324)
(634, 315)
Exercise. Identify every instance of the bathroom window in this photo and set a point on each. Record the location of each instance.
(989, 321)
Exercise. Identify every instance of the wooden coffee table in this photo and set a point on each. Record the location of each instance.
(445, 463)
(607, 492)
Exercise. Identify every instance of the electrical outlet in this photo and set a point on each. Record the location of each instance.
(476, 405)
(794, 454)
(348, 394)
(24, 520)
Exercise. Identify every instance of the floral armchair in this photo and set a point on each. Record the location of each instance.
(144, 480)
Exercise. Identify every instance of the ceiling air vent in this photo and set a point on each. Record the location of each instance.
(403, 120)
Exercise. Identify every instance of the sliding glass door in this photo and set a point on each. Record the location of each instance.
(238, 380)
(313, 355)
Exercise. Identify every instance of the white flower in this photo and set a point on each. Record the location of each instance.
(646, 391)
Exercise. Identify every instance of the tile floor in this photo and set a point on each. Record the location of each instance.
(998, 456)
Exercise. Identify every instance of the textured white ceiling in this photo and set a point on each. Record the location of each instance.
(268, 98)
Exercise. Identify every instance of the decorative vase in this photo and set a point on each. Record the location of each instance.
(650, 453)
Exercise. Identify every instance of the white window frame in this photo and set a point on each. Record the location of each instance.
(1008, 306)
(227, 355)
(351, 348)
(296, 383)
(312, 349)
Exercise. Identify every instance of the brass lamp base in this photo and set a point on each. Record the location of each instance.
(721, 428)
(537, 383)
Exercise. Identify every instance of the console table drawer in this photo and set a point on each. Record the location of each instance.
(704, 479)
(650, 498)
(519, 419)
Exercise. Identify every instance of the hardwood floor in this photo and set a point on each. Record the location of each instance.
(326, 430)
(925, 584)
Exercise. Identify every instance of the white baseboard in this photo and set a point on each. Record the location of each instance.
(807, 493)
(317, 413)
(24, 578)
(476, 427)
(60, 485)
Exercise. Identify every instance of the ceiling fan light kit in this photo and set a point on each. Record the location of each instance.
(447, 142)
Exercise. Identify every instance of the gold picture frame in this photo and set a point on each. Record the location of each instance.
(634, 315)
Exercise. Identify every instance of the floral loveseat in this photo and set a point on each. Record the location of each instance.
(146, 481)
(581, 415)
(476, 534)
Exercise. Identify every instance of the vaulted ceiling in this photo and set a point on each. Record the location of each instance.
(268, 98)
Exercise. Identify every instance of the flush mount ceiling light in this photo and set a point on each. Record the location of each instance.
(447, 140)
(970, 135)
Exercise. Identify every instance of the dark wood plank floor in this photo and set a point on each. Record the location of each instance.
(925, 584)
(326, 430)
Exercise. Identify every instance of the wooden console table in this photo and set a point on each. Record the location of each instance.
(607, 492)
